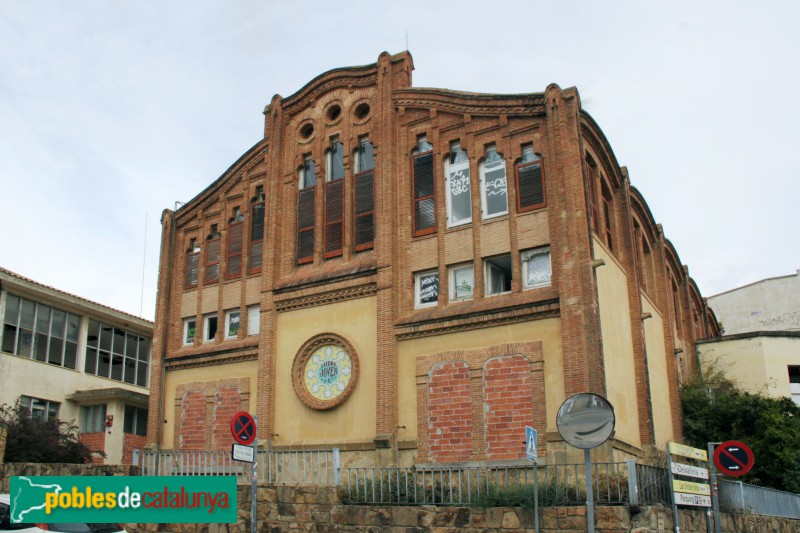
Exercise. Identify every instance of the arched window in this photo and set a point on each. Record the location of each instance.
(305, 211)
(493, 184)
(212, 255)
(234, 257)
(457, 185)
(424, 196)
(364, 205)
(192, 264)
(256, 230)
(530, 180)
(608, 213)
(334, 200)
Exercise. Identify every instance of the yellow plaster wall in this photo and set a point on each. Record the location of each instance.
(657, 372)
(247, 370)
(615, 325)
(352, 421)
(548, 331)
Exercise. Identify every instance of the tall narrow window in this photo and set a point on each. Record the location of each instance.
(457, 184)
(235, 227)
(209, 328)
(608, 213)
(493, 184)
(364, 205)
(530, 180)
(591, 178)
(305, 212)
(256, 231)
(192, 264)
(212, 255)
(334, 200)
(232, 324)
(424, 204)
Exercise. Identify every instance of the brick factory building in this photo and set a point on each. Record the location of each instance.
(414, 275)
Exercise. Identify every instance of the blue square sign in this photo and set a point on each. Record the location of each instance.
(531, 447)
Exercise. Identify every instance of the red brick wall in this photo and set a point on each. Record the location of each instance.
(507, 406)
(192, 434)
(129, 442)
(95, 442)
(450, 412)
(227, 401)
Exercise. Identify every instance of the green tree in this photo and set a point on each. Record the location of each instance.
(716, 410)
(32, 440)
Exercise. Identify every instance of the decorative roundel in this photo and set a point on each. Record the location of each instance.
(325, 371)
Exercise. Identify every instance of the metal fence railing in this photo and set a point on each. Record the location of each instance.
(741, 497)
(484, 485)
(316, 467)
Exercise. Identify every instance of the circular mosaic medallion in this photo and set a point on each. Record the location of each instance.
(325, 371)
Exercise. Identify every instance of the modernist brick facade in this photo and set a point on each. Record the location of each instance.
(482, 257)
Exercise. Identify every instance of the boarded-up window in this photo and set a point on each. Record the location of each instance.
(424, 206)
(212, 260)
(334, 218)
(234, 268)
(256, 236)
(192, 265)
(305, 225)
(530, 181)
(364, 205)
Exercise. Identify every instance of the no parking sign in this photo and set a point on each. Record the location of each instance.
(734, 458)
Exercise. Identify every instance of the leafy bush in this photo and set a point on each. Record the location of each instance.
(32, 440)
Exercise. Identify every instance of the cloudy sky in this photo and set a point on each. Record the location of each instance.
(113, 111)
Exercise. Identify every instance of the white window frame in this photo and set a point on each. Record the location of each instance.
(488, 266)
(453, 288)
(417, 284)
(40, 405)
(206, 328)
(329, 160)
(357, 156)
(525, 256)
(253, 320)
(451, 221)
(186, 322)
(228, 316)
(303, 181)
(484, 199)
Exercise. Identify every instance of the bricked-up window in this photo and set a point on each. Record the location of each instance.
(426, 288)
(462, 282)
(305, 212)
(115, 353)
(39, 409)
(256, 231)
(235, 235)
(591, 179)
(497, 274)
(209, 328)
(530, 180)
(608, 214)
(192, 264)
(494, 193)
(135, 420)
(794, 383)
(93, 418)
(536, 270)
(189, 331)
(457, 185)
(364, 205)
(232, 319)
(41, 332)
(212, 255)
(424, 196)
(334, 200)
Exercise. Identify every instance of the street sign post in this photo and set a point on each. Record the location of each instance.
(244, 454)
(532, 452)
(734, 458)
(686, 492)
(244, 428)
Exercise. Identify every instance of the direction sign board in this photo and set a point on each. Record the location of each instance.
(531, 446)
(692, 499)
(688, 470)
(687, 451)
(243, 428)
(680, 485)
(734, 458)
(243, 453)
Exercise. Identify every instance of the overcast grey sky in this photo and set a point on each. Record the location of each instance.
(112, 111)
